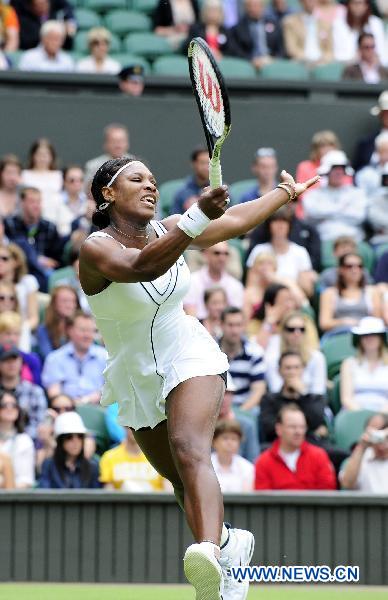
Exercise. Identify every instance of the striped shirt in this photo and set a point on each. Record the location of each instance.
(246, 368)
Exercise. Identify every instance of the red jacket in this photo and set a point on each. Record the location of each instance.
(314, 470)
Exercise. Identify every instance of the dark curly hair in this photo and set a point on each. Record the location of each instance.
(101, 179)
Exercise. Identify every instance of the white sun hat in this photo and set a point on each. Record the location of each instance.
(369, 326)
(334, 158)
(69, 422)
(382, 104)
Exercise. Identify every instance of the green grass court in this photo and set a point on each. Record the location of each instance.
(156, 592)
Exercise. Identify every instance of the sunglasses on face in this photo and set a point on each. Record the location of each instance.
(8, 405)
(62, 409)
(290, 329)
(4, 297)
(70, 436)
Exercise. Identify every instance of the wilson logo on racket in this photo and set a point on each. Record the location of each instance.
(208, 85)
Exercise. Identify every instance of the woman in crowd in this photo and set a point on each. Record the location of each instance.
(277, 302)
(9, 302)
(364, 378)
(342, 306)
(10, 180)
(68, 468)
(26, 286)
(62, 306)
(9, 28)
(11, 334)
(173, 18)
(7, 480)
(234, 473)
(15, 442)
(215, 302)
(210, 28)
(99, 40)
(346, 31)
(298, 334)
(42, 171)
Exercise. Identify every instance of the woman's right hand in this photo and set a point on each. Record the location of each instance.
(213, 202)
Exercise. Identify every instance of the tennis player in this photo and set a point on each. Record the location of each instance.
(164, 370)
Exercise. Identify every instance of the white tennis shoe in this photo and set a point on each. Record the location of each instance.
(237, 552)
(203, 571)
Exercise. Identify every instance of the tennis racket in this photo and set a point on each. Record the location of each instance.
(213, 103)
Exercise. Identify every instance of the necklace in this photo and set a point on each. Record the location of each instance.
(144, 237)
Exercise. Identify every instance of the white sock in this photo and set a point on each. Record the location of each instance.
(214, 547)
(224, 535)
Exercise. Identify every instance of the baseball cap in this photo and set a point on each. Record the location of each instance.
(8, 352)
(69, 422)
(382, 104)
(134, 72)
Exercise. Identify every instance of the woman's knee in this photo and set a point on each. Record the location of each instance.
(189, 451)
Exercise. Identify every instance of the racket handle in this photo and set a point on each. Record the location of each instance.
(215, 173)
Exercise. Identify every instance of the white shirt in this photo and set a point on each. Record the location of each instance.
(20, 449)
(345, 40)
(312, 51)
(290, 264)
(236, 478)
(290, 458)
(37, 59)
(201, 281)
(314, 374)
(373, 474)
(370, 388)
(370, 73)
(89, 65)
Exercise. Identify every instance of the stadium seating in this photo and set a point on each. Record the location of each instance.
(284, 69)
(146, 6)
(173, 66)
(86, 18)
(102, 6)
(348, 427)
(237, 68)
(147, 44)
(237, 189)
(336, 349)
(167, 191)
(125, 59)
(329, 72)
(94, 419)
(122, 22)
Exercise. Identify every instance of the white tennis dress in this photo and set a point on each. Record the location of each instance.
(152, 344)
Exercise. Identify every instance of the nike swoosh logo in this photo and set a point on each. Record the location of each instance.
(190, 217)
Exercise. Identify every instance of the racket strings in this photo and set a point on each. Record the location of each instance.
(209, 93)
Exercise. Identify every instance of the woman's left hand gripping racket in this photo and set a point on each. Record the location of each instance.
(213, 103)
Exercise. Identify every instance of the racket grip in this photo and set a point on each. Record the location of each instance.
(215, 173)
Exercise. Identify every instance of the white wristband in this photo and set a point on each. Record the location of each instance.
(193, 222)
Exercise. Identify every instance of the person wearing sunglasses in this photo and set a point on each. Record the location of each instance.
(298, 334)
(342, 306)
(14, 441)
(69, 468)
(98, 61)
(367, 68)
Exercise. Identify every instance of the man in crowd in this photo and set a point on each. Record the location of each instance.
(38, 238)
(48, 56)
(368, 67)
(131, 80)
(365, 148)
(116, 144)
(336, 208)
(306, 37)
(367, 468)
(76, 369)
(213, 273)
(256, 37)
(32, 14)
(265, 168)
(246, 361)
(292, 463)
(194, 184)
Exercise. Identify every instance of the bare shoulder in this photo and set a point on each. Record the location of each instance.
(170, 222)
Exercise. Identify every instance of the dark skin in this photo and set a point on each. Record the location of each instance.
(180, 447)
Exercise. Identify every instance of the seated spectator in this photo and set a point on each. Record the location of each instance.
(7, 480)
(298, 334)
(173, 18)
(369, 178)
(48, 56)
(30, 397)
(53, 334)
(68, 468)
(346, 31)
(256, 37)
(212, 274)
(32, 13)
(189, 193)
(210, 28)
(11, 328)
(38, 238)
(293, 261)
(329, 11)
(364, 378)
(9, 302)
(292, 463)
(14, 442)
(76, 369)
(42, 173)
(26, 286)
(99, 40)
(278, 301)
(308, 38)
(246, 361)
(265, 168)
(336, 208)
(116, 144)
(45, 443)
(344, 244)
(367, 68)
(10, 180)
(249, 445)
(9, 28)
(278, 10)
(126, 468)
(131, 80)
(378, 211)
(343, 306)
(366, 145)
(367, 468)
(215, 302)
(235, 474)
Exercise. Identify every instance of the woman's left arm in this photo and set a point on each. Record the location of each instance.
(240, 219)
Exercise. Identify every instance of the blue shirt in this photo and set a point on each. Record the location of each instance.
(251, 194)
(51, 478)
(77, 377)
(190, 188)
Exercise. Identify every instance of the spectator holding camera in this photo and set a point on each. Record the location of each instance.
(367, 468)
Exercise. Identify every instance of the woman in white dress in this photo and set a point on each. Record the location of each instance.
(164, 369)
